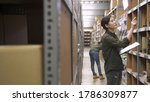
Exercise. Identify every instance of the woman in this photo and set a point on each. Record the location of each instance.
(94, 57)
(111, 46)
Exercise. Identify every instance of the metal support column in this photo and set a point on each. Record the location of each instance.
(138, 40)
(51, 41)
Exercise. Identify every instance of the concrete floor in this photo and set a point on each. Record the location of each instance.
(87, 77)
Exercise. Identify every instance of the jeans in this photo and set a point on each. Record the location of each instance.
(114, 77)
(94, 57)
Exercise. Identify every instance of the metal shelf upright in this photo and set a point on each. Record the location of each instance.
(51, 41)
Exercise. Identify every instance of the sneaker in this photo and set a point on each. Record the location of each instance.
(95, 76)
(101, 77)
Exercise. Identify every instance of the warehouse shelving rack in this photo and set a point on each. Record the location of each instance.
(138, 58)
(51, 41)
(61, 59)
(53, 48)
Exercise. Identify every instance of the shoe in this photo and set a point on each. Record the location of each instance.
(101, 77)
(95, 76)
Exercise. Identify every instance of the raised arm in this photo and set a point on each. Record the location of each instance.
(133, 24)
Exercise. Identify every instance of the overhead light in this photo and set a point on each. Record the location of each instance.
(91, 2)
(81, 2)
(86, 2)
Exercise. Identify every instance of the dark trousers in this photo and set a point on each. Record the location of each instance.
(114, 77)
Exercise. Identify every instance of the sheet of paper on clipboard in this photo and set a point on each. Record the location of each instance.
(135, 44)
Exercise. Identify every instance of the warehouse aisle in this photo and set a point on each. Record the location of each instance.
(87, 78)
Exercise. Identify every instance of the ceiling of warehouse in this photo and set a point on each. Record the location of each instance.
(91, 9)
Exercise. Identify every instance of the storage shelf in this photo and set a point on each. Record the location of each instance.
(132, 73)
(87, 38)
(139, 58)
(142, 29)
(140, 54)
(143, 80)
(129, 70)
(132, 10)
(143, 3)
(19, 27)
(114, 9)
(135, 75)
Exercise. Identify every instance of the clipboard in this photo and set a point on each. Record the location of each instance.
(131, 46)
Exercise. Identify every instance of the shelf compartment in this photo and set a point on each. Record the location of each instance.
(148, 14)
(129, 61)
(143, 11)
(148, 44)
(87, 38)
(148, 70)
(134, 80)
(143, 42)
(129, 4)
(18, 21)
(134, 14)
(134, 3)
(129, 19)
(134, 39)
(134, 63)
(142, 66)
(129, 79)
